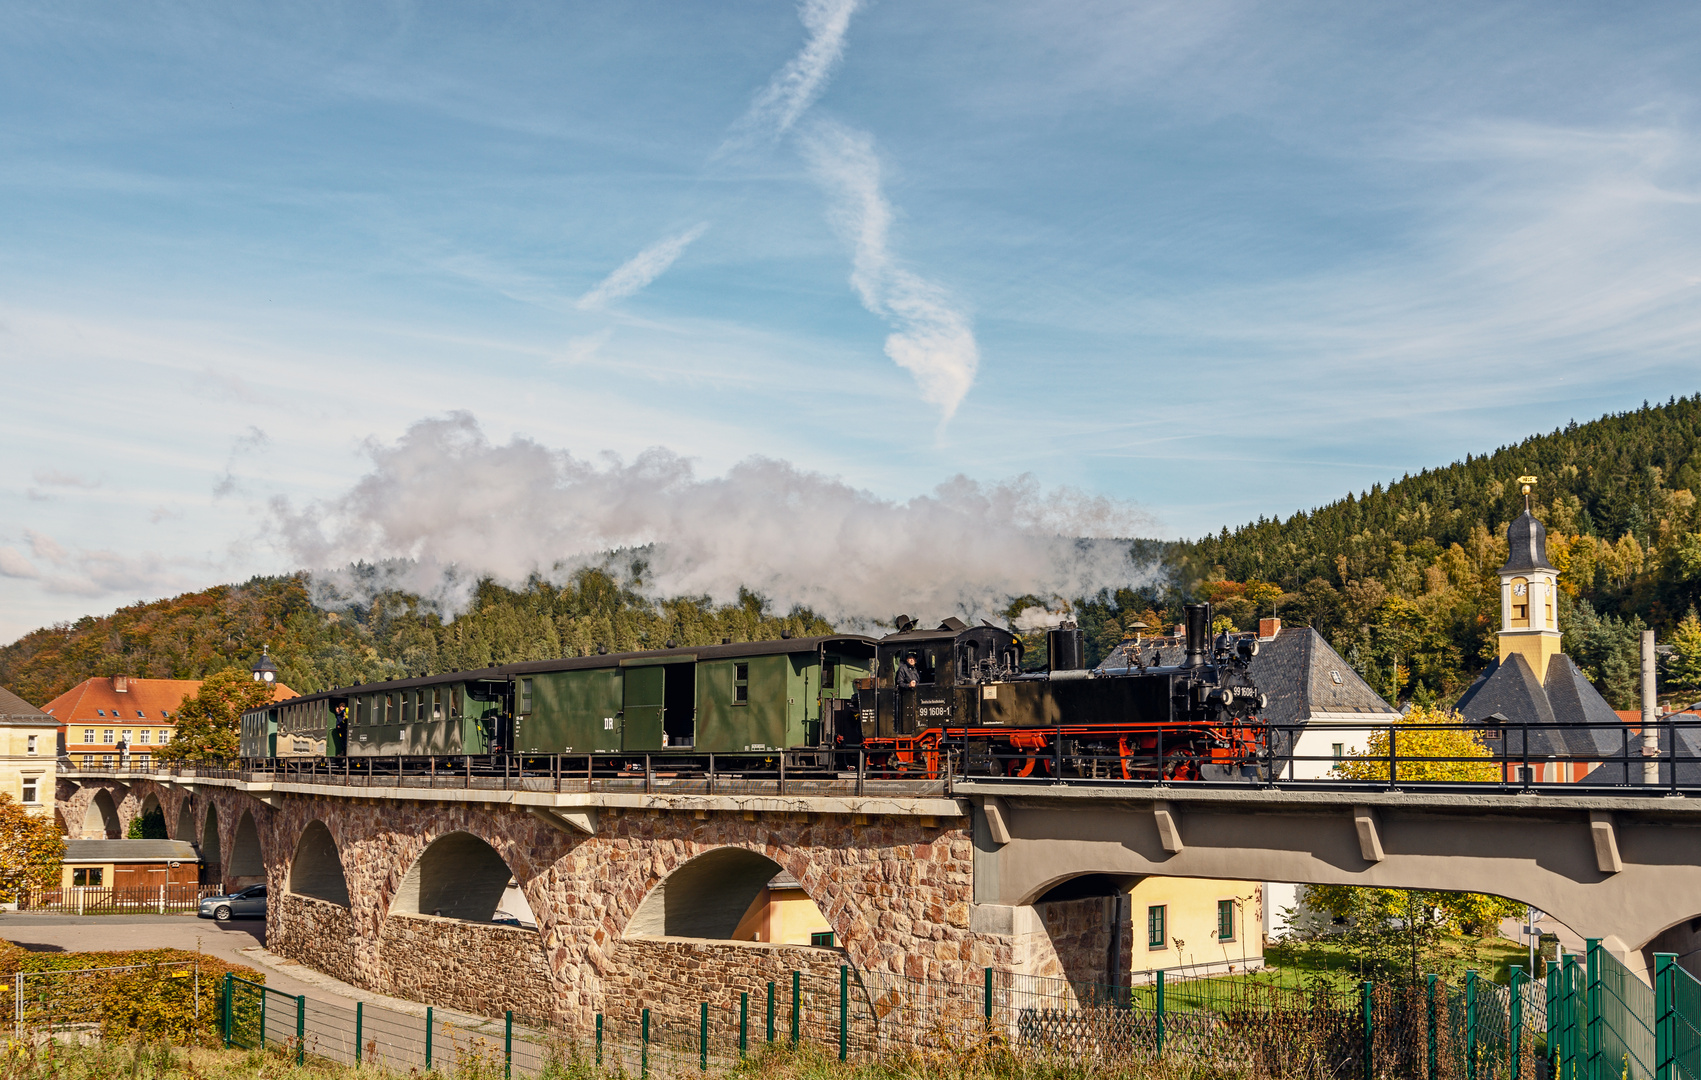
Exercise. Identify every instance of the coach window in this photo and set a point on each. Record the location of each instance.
(436, 703)
(525, 695)
(454, 702)
(741, 684)
(829, 672)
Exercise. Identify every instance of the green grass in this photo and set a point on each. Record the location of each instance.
(158, 1061)
(1327, 964)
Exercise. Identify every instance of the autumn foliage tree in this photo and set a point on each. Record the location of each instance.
(1400, 928)
(209, 723)
(31, 850)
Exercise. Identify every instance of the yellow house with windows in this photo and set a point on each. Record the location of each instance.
(29, 752)
(1198, 923)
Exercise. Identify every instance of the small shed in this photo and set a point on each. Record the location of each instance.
(130, 864)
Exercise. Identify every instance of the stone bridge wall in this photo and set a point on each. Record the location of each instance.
(896, 891)
(484, 970)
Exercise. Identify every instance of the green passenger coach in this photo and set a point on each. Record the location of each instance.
(758, 697)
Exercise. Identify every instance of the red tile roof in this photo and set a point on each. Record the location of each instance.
(99, 700)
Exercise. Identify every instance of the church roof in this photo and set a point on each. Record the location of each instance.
(1566, 715)
(1526, 545)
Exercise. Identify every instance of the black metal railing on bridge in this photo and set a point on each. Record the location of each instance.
(1491, 757)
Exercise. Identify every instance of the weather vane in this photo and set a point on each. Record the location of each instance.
(1526, 481)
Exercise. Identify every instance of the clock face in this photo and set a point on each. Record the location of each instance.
(1518, 590)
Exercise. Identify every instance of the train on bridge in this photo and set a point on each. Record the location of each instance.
(908, 704)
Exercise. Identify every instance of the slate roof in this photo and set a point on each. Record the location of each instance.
(16, 711)
(1526, 541)
(1688, 747)
(1566, 713)
(130, 851)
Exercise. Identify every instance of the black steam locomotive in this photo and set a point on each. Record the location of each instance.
(897, 706)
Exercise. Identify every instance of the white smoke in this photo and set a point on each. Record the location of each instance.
(796, 86)
(443, 507)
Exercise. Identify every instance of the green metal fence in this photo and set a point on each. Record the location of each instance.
(1592, 1018)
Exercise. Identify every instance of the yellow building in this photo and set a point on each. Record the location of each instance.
(783, 914)
(1198, 923)
(29, 750)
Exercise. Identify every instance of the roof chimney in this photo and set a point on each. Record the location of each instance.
(121, 684)
(1269, 628)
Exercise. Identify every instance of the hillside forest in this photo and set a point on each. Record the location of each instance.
(1401, 579)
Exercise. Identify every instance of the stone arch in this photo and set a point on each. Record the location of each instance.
(100, 821)
(212, 853)
(185, 822)
(247, 861)
(317, 868)
(706, 897)
(458, 876)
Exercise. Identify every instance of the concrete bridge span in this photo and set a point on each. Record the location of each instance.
(1623, 869)
(396, 888)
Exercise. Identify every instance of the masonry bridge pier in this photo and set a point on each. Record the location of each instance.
(636, 894)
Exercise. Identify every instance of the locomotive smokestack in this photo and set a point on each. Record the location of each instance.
(1066, 648)
(1198, 635)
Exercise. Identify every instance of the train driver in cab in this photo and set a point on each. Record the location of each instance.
(908, 675)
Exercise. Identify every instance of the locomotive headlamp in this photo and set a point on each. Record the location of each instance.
(1247, 647)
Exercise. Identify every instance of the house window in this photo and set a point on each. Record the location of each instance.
(1339, 750)
(30, 797)
(741, 684)
(1157, 926)
(140, 715)
(1225, 920)
(106, 736)
(165, 736)
(143, 760)
(106, 760)
(100, 712)
(32, 740)
(88, 735)
(88, 761)
(822, 940)
(125, 737)
(144, 736)
(88, 876)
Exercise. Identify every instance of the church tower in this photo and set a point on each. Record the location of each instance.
(1529, 601)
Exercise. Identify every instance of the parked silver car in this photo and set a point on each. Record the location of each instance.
(249, 903)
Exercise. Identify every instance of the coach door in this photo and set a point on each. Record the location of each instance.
(645, 698)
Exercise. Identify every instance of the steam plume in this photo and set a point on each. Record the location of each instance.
(452, 507)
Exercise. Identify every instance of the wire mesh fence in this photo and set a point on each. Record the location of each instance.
(1593, 1018)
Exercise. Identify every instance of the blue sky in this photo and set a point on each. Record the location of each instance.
(1207, 260)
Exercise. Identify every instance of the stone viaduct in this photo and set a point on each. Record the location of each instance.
(635, 895)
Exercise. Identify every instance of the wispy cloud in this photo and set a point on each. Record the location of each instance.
(640, 270)
(931, 338)
(796, 86)
(88, 572)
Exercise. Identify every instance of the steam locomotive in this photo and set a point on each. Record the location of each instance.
(896, 706)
